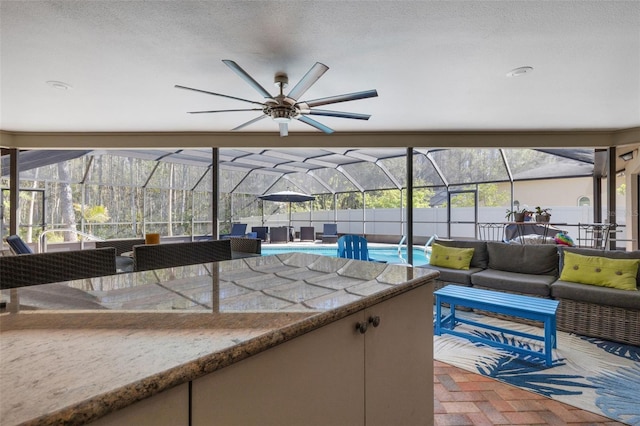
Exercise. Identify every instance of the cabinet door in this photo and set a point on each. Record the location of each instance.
(169, 408)
(399, 360)
(314, 379)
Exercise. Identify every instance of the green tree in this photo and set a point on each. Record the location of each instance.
(92, 214)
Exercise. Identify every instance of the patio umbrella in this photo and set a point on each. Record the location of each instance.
(287, 197)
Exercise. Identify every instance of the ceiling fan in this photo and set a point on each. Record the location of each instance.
(284, 108)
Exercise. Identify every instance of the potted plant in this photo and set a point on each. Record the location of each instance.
(518, 215)
(542, 215)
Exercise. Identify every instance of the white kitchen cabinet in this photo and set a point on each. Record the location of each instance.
(399, 360)
(334, 375)
(168, 408)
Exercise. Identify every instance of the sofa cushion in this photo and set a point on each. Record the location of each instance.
(514, 282)
(450, 257)
(455, 276)
(597, 295)
(539, 259)
(480, 258)
(600, 271)
(611, 254)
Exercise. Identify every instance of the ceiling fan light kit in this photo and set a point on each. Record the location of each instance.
(284, 108)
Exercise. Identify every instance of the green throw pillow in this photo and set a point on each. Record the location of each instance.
(600, 271)
(450, 257)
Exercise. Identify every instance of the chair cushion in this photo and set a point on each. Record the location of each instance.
(540, 259)
(514, 282)
(18, 245)
(596, 295)
(456, 276)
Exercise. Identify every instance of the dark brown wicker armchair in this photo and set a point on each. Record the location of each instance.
(246, 247)
(179, 254)
(121, 246)
(43, 268)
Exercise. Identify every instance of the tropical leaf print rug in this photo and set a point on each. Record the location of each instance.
(592, 374)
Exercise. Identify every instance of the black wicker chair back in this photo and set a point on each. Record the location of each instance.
(246, 245)
(159, 256)
(43, 268)
(307, 233)
(121, 246)
(279, 234)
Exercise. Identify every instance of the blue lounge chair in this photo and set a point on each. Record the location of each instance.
(238, 230)
(18, 246)
(329, 233)
(354, 247)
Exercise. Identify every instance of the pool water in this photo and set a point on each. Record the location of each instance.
(390, 254)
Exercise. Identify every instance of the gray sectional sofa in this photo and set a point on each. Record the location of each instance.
(534, 270)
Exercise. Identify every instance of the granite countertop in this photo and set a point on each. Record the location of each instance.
(73, 352)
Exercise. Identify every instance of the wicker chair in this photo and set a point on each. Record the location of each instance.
(279, 234)
(43, 268)
(159, 256)
(121, 246)
(261, 232)
(123, 263)
(245, 247)
(307, 233)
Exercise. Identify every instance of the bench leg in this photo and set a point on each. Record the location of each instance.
(452, 307)
(549, 341)
(438, 317)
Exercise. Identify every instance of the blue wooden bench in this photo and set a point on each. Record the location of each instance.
(532, 308)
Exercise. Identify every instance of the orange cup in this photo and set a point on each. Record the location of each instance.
(152, 238)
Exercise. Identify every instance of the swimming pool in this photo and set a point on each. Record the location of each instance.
(388, 254)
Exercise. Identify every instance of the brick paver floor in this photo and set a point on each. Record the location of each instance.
(464, 398)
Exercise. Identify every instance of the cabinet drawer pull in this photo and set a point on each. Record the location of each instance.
(361, 327)
(374, 321)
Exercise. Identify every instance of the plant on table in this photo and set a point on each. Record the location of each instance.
(518, 215)
(542, 215)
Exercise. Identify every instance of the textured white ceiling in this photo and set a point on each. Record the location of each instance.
(436, 65)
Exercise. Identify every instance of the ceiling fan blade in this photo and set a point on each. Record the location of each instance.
(246, 77)
(315, 124)
(249, 122)
(224, 110)
(218, 94)
(339, 98)
(284, 129)
(308, 80)
(339, 114)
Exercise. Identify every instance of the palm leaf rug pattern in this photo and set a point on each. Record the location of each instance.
(592, 374)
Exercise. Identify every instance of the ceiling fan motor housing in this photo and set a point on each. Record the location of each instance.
(281, 113)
